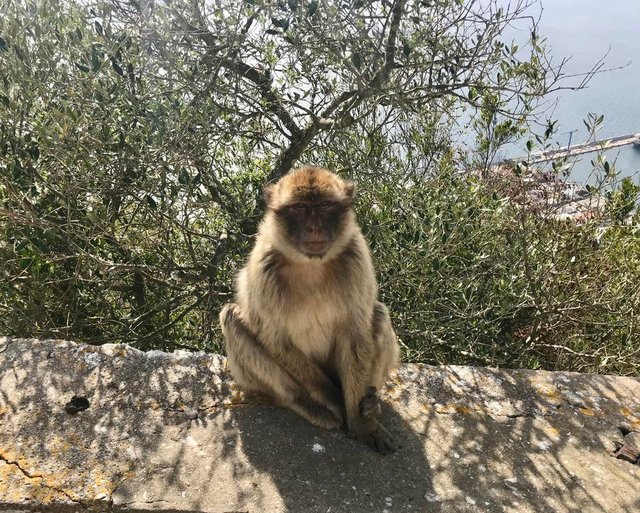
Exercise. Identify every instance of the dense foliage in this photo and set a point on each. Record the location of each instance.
(135, 138)
(471, 277)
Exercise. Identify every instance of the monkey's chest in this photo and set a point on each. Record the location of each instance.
(312, 326)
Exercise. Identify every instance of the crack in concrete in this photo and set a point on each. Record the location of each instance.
(483, 409)
(19, 467)
(30, 475)
(486, 411)
(227, 406)
(522, 415)
(199, 411)
(151, 501)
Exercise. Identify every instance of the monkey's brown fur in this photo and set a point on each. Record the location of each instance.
(307, 328)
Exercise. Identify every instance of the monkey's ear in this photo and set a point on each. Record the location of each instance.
(268, 191)
(349, 189)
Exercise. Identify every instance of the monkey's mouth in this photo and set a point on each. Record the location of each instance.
(315, 247)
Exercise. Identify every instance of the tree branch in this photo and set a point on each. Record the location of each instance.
(347, 99)
(261, 78)
(390, 50)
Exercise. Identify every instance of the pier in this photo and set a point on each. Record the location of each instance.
(578, 149)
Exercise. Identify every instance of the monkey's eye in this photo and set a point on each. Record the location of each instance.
(324, 204)
(299, 206)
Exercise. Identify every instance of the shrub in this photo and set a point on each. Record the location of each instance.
(472, 277)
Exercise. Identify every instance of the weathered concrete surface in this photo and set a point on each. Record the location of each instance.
(171, 432)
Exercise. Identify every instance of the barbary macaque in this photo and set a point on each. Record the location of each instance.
(306, 328)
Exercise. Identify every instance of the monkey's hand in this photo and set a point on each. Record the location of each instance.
(374, 434)
(369, 406)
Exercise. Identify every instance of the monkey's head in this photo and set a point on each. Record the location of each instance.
(310, 212)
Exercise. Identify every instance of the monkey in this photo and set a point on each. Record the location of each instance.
(306, 328)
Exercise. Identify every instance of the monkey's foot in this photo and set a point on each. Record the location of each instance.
(316, 414)
(329, 397)
(336, 410)
(369, 406)
(378, 439)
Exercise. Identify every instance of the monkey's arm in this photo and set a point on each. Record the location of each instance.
(361, 406)
(256, 369)
(308, 374)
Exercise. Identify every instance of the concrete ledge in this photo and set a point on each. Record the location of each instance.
(171, 432)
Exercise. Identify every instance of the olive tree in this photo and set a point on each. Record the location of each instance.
(136, 136)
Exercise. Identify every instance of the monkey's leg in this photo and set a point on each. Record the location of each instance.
(366, 361)
(255, 370)
(308, 375)
(386, 343)
(362, 424)
(388, 358)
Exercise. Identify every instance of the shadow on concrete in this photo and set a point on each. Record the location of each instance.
(523, 440)
(172, 433)
(317, 471)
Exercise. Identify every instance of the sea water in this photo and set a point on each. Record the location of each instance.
(585, 31)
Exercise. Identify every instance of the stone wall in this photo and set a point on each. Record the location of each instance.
(111, 427)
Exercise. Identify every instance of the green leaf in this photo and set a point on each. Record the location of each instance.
(3, 45)
(96, 59)
(19, 53)
(82, 67)
(116, 67)
(152, 203)
(356, 60)
(312, 8)
(283, 23)
(548, 132)
(34, 151)
(183, 177)
(293, 5)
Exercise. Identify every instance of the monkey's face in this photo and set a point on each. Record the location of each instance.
(312, 225)
(312, 209)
